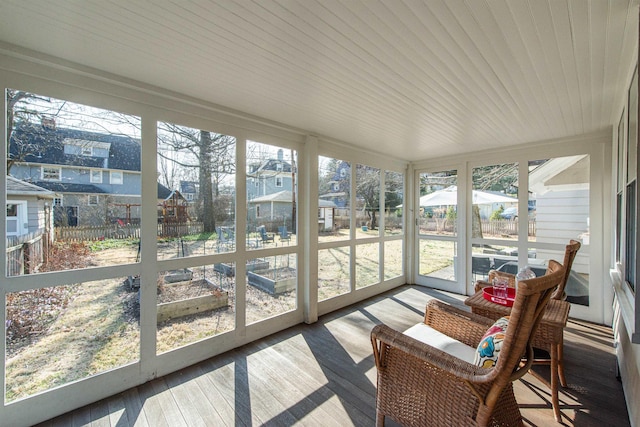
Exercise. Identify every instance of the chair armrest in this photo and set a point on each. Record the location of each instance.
(460, 325)
(480, 284)
(384, 338)
(492, 274)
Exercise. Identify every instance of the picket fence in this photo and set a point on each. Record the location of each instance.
(116, 231)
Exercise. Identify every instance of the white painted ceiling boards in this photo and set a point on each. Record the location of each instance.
(413, 79)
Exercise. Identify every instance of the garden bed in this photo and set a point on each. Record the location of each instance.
(230, 270)
(275, 281)
(182, 275)
(190, 297)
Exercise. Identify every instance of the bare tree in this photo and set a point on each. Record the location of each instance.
(20, 111)
(212, 155)
(368, 188)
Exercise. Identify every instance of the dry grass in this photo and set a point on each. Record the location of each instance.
(95, 332)
(98, 328)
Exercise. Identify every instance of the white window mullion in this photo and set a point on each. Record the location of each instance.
(148, 266)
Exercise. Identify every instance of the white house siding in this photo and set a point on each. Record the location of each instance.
(560, 217)
(629, 365)
(35, 214)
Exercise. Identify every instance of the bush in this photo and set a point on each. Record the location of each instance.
(497, 214)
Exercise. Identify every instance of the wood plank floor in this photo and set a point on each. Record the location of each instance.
(324, 375)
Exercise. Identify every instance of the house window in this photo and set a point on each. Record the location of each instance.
(49, 173)
(115, 177)
(57, 201)
(630, 244)
(93, 199)
(279, 167)
(278, 181)
(96, 176)
(86, 151)
(189, 196)
(257, 211)
(626, 230)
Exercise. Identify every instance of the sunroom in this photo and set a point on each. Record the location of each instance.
(319, 156)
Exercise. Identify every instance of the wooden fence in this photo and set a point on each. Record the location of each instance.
(26, 253)
(501, 228)
(505, 228)
(115, 231)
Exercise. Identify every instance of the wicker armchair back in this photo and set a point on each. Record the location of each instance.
(419, 385)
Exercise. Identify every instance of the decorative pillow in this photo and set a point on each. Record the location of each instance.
(491, 343)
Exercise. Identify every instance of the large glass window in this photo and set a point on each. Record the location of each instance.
(86, 231)
(393, 259)
(57, 335)
(272, 204)
(559, 199)
(334, 272)
(367, 201)
(620, 184)
(495, 213)
(393, 200)
(194, 303)
(272, 285)
(334, 189)
(201, 164)
(631, 222)
(367, 264)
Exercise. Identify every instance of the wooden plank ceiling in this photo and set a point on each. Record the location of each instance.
(412, 79)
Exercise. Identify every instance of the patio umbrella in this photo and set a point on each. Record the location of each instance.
(449, 197)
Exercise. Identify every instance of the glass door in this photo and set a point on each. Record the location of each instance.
(437, 225)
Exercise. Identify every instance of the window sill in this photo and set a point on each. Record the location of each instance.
(626, 302)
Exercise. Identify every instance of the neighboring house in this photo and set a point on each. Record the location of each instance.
(28, 208)
(326, 212)
(561, 190)
(272, 206)
(269, 177)
(278, 206)
(339, 186)
(96, 177)
(189, 190)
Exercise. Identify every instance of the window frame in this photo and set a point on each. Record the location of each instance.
(95, 179)
(44, 175)
(627, 296)
(115, 181)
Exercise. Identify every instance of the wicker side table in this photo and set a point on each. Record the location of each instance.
(548, 337)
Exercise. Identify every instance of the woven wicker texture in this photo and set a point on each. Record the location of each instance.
(550, 334)
(419, 385)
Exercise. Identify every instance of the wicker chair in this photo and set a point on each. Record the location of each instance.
(549, 337)
(421, 385)
(570, 253)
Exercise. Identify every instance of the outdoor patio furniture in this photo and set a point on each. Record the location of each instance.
(264, 236)
(570, 252)
(480, 265)
(421, 384)
(284, 234)
(550, 335)
(226, 238)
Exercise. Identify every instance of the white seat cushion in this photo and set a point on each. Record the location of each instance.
(428, 335)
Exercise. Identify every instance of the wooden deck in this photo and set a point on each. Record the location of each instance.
(323, 375)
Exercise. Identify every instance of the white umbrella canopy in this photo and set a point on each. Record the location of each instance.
(449, 197)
